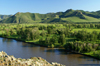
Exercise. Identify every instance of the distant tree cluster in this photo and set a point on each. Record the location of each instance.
(83, 25)
(79, 46)
(87, 36)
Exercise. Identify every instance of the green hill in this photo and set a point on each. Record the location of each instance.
(27, 18)
(4, 16)
(67, 16)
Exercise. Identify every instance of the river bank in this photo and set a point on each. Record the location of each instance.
(17, 39)
(7, 60)
(25, 51)
(85, 54)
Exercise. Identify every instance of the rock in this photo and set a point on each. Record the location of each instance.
(7, 60)
(57, 64)
(3, 54)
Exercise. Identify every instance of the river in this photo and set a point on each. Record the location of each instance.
(25, 50)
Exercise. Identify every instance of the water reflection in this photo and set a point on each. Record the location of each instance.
(89, 64)
(7, 40)
(26, 50)
(27, 45)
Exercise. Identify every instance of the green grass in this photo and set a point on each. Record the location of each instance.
(77, 19)
(87, 29)
(91, 19)
(74, 19)
(95, 54)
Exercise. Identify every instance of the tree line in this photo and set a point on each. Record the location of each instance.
(55, 36)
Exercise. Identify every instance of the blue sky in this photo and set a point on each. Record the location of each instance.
(46, 6)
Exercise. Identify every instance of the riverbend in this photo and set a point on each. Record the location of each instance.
(25, 50)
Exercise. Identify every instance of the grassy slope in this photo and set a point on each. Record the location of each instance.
(4, 16)
(77, 19)
(95, 54)
(68, 16)
(87, 29)
(27, 17)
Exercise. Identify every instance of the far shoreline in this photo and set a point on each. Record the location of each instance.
(52, 48)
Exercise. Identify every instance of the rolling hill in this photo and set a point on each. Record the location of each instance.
(4, 16)
(67, 16)
(27, 18)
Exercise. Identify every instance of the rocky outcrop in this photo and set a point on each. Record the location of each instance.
(8, 60)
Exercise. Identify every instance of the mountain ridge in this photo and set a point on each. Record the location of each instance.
(69, 15)
(4, 16)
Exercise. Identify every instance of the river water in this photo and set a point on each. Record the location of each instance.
(25, 50)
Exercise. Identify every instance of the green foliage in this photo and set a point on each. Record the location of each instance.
(87, 36)
(62, 39)
(55, 35)
(73, 37)
(49, 30)
(35, 34)
(79, 46)
(95, 54)
(43, 33)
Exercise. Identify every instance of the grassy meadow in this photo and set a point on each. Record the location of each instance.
(86, 29)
